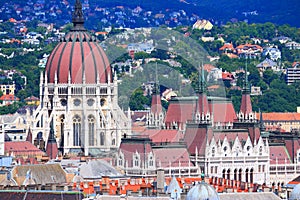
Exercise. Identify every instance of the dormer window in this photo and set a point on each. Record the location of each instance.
(120, 161)
(260, 150)
(136, 161)
(213, 152)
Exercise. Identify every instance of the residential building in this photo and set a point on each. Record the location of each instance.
(272, 52)
(292, 45)
(293, 74)
(267, 64)
(284, 121)
(203, 24)
(8, 89)
(249, 50)
(8, 99)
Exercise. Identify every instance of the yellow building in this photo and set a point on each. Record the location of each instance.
(8, 89)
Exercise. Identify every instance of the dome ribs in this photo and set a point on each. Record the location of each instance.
(59, 63)
(104, 64)
(82, 60)
(71, 59)
(50, 60)
(95, 64)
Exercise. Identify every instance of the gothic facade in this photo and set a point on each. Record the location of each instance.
(79, 96)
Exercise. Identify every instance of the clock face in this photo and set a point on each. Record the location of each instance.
(63, 102)
(90, 102)
(77, 102)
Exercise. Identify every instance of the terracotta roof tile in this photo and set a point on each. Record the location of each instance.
(279, 154)
(172, 156)
(164, 135)
(276, 116)
(21, 148)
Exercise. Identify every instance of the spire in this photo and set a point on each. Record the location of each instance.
(202, 104)
(51, 149)
(77, 17)
(261, 121)
(246, 106)
(156, 106)
(29, 136)
(246, 88)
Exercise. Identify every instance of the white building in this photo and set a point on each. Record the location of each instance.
(78, 96)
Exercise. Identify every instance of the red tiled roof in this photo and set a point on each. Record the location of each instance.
(223, 111)
(246, 105)
(165, 135)
(202, 106)
(208, 67)
(9, 97)
(292, 145)
(172, 156)
(32, 98)
(196, 137)
(180, 111)
(276, 116)
(23, 148)
(156, 106)
(230, 136)
(279, 154)
(227, 46)
(129, 148)
(242, 46)
(227, 76)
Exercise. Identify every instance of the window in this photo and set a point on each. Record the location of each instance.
(136, 161)
(120, 161)
(213, 152)
(76, 130)
(91, 122)
(102, 138)
(260, 150)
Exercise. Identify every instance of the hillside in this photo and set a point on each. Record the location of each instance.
(255, 11)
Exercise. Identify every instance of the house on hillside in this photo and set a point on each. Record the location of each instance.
(267, 64)
(272, 53)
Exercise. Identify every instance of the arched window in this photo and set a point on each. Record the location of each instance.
(120, 161)
(213, 152)
(91, 122)
(228, 174)
(136, 161)
(240, 174)
(151, 163)
(76, 130)
(235, 174)
(260, 150)
(251, 175)
(102, 138)
(247, 175)
(62, 127)
(224, 173)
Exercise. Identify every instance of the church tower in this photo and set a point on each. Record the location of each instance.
(155, 119)
(246, 118)
(80, 94)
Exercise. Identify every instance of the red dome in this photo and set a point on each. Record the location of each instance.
(78, 53)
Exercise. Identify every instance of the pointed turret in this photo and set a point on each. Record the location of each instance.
(77, 17)
(246, 106)
(202, 108)
(156, 116)
(261, 121)
(156, 106)
(51, 149)
(29, 136)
